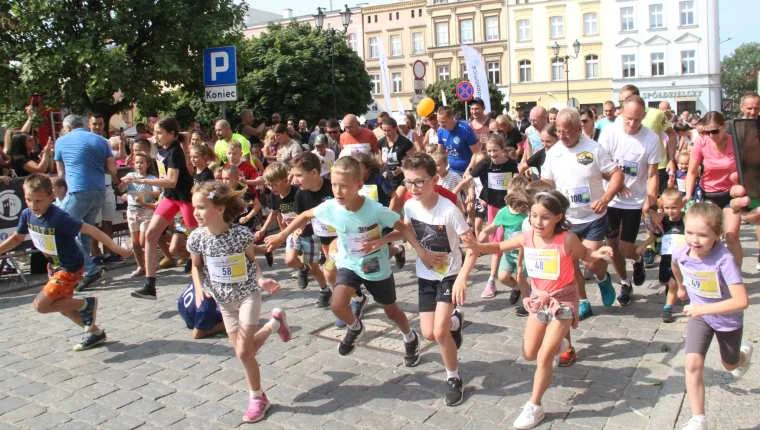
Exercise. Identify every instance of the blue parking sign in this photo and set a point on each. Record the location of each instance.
(220, 66)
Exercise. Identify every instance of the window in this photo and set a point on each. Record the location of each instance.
(626, 19)
(412, 13)
(629, 66)
(390, 16)
(525, 71)
(375, 19)
(396, 46)
(686, 8)
(492, 28)
(397, 16)
(589, 24)
(658, 63)
(523, 30)
(494, 72)
(592, 66)
(465, 31)
(352, 42)
(441, 34)
(443, 72)
(557, 27)
(688, 64)
(655, 16)
(557, 68)
(375, 81)
(463, 71)
(374, 50)
(369, 19)
(396, 80)
(418, 43)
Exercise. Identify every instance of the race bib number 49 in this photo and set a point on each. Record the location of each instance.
(703, 284)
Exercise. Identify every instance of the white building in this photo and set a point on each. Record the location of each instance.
(669, 49)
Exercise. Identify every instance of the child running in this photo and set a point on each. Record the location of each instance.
(54, 233)
(361, 258)
(200, 157)
(549, 250)
(141, 200)
(226, 254)
(672, 240)
(706, 272)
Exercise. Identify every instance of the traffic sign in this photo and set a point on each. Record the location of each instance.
(465, 91)
(419, 86)
(418, 68)
(220, 74)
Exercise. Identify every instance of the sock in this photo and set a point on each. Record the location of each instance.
(583, 300)
(452, 374)
(255, 393)
(356, 325)
(490, 278)
(454, 323)
(409, 337)
(84, 305)
(699, 417)
(324, 289)
(667, 307)
(150, 281)
(274, 324)
(598, 280)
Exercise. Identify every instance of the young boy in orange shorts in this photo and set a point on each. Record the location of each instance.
(54, 233)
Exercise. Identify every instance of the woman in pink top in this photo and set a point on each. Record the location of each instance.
(713, 151)
(549, 252)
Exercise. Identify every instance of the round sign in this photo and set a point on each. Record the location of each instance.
(418, 68)
(465, 91)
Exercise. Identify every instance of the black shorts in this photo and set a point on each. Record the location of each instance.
(663, 180)
(432, 292)
(666, 270)
(722, 199)
(699, 336)
(624, 224)
(594, 231)
(326, 240)
(384, 292)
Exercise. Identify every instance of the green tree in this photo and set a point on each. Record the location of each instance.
(449, 88)
(287, 70)
(739, 72)
(78, 54)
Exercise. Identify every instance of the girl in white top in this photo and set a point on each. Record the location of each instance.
(224, 267)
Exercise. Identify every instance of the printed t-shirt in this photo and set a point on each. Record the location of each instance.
(305, 200)
(438, 230)
(286, 205)
(138, 195)
(458, 144)
(54, 234)
(354, 228)
(365, 141)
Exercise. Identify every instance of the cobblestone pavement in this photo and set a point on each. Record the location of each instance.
(150, 374)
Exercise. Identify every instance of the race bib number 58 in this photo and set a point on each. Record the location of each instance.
(230, 269)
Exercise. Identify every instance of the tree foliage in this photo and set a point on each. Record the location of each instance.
(287, 69)
(79, 53)
(449, 88)
(739, 72)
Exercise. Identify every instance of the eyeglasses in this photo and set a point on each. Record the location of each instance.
(419, 183)
(713, 132)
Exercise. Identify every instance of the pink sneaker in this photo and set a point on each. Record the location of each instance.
(257, 409)
(284, 330)
(489, 291)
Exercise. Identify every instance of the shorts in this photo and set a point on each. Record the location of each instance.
(623, 224)
(242, 314)
(168, 208)
(666, 270)
(721, 199)
(136, 216)
(326, 240)
(508, 263)
(61, 285)
(545, 316)
(384, 292)
(480, 209)
(431, 292)
(699, 336)
(108, 212)
(206, 317)
(664, 177)
(594, 231)
(306, 247)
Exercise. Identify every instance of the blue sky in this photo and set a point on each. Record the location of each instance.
(736, 24)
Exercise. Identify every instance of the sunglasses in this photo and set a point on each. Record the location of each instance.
(713, 132)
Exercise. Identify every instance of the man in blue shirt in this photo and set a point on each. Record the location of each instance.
(84, 158)
(457, 138)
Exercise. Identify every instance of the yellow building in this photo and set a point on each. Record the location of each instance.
(538, 78)
(479, 23)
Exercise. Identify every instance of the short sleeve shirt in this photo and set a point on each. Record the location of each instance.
(458, 144)
(306, 199)
(353, 229)
(495, 179)
(84, 156)
(143, 191)
(174, 158)
(286, 205)
(227, 273)
(511, 222)
(717, 166)
(54, 234)
(364, 141)
(221, 146)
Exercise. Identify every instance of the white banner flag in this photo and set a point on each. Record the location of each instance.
(476, 71)
(443, 98)
(383, 59)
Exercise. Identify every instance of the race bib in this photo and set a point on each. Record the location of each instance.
(370, 192)
(703, 284)
(44, 242)
(499, 180)
(579, 196)
(542, 263)
(630, 168)
(355, 148)
(229, 269)
(681, 183)
(322, 230)
(354, 241)
(672, 243)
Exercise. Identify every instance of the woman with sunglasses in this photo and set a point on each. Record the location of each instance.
(713, 151)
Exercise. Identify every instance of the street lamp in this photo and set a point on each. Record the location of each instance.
(567, 57)
(319, 22)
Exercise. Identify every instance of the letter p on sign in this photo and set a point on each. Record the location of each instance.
(220, 63)
(219, 66)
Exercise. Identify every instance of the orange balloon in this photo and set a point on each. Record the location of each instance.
(425, 107)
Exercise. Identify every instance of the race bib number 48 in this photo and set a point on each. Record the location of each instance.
(542, 263)
(230, 269)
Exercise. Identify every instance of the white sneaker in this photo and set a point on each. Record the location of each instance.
(746, 348)
(563, 346)
(530, 416)
(698, 422)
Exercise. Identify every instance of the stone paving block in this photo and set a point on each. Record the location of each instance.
(47, 420)
(182, 401)
(165, 416)
(95, 414)
(123, 422)
(447, 420)
(141, 407)
(30, 389)
(23, 412)
(118, 399)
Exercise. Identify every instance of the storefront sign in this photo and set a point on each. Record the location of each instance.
(669, 94)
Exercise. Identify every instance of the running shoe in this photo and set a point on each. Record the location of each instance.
(412, 356)
(146, 292)
(607, 291)
(489, 291)
(88, 280)
(745, 349)
(696, 423)
(303, 277)
(98, 261)
(348, 343)
(324, 298)
(514, 296)
(625, 294)
(269, 257)
(530, 416)
(521, 311)
(649, 258)
(567, 358)
(113, 258)
(91, 340)
(584, 310)
(667, 315)
(564, 345)
(455, 392)
(639, 274)
(88, 313)
(284, 330)
(400, 257)
(457, 334)
(257, 409)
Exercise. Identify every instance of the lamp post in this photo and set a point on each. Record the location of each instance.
(567, 57)
(319, 22)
